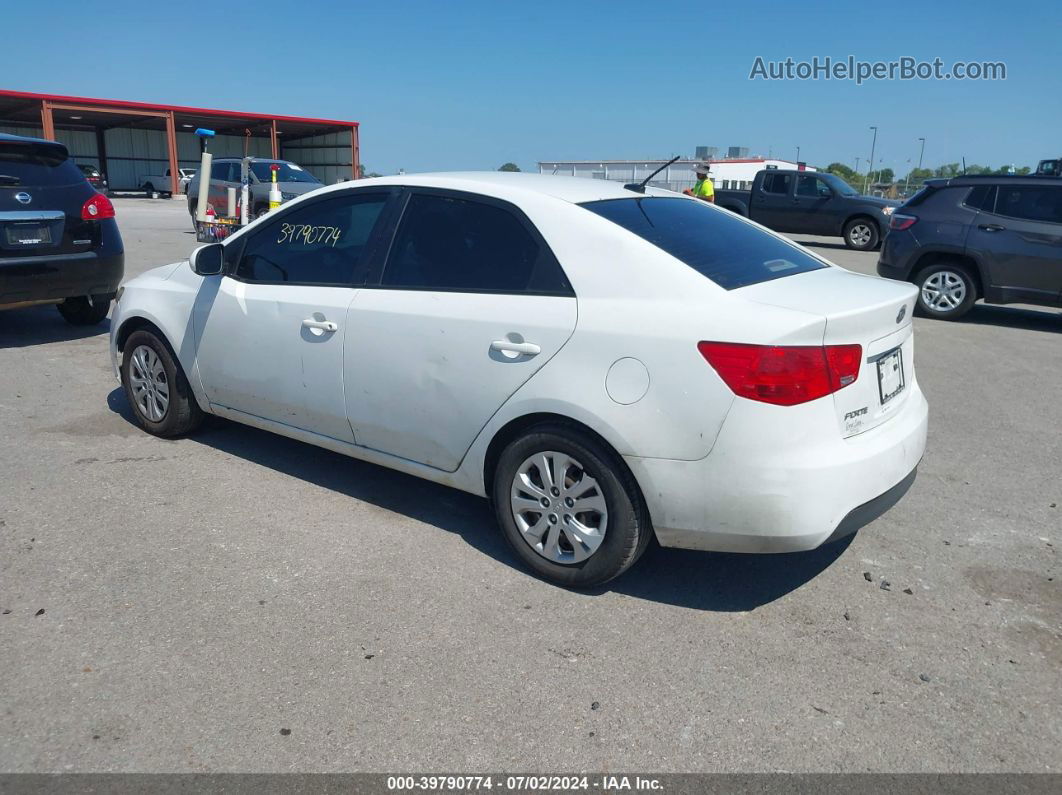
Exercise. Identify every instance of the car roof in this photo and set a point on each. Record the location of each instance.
(1002, 179)
(500, 183)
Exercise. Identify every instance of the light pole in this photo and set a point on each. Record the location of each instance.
(798, 154)
(870, 167)
(857, 164)
(920, 153)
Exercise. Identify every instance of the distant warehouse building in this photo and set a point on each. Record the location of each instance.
(129, 140)
(728, 173)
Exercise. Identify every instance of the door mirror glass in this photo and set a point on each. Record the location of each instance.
(208, 260)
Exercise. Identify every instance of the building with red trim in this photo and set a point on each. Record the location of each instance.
(129, 140)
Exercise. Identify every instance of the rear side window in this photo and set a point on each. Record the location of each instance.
(777, 183)
(324, 242)
(1031, 202)
(36, 165)
(981, 197)
(451, 244)
(723, 247)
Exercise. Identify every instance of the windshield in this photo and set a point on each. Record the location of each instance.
(719, 245)
(286, 172)
(838, 184)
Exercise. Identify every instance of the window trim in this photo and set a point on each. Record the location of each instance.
(372, 245)
(1020, 217)
(375, 278)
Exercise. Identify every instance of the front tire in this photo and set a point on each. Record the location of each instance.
(861, 234)
(156, 387)
(568, 507)
(85, 310)
(946, 291)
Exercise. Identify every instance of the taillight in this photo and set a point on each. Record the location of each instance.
(900, 222)
(784, 375)
(99, 206)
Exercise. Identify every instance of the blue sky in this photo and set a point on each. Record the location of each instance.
(454, 85)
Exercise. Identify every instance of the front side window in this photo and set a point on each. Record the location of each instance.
(1031, 202)
(720, 246)
(451, 244)
(323, 242)
(812, 187)
(221, 171)
(776, 183)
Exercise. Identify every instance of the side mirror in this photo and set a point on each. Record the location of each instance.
(208, 260)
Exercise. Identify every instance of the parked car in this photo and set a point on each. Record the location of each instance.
(1049, 168)
(993, 237)
(603, 364)
(59, 243)
(95, 178)
(293, 179)
(151, 183)
(812, 203)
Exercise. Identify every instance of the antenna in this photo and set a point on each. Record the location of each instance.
(639, 187)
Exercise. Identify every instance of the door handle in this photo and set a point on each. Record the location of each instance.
(320, 325)
(991, 227)
(524, 348)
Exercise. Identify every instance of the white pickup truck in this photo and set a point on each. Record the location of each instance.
(161, 182)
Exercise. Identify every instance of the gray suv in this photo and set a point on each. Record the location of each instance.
(225, 173)
(993, 237)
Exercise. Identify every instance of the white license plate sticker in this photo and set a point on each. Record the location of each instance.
(890, 375)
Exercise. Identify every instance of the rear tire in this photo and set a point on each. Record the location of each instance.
(861, 234)
(946, 291)
(561, 543)
(156, 387)
(85, 310)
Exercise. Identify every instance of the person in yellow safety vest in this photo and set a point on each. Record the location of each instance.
(703, 189)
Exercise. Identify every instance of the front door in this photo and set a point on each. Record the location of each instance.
(470, 305)
(814, 206)
(270, 337)
(1021, 242)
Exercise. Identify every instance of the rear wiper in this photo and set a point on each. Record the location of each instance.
(7, 179)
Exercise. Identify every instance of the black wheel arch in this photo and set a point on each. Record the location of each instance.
(936, 256)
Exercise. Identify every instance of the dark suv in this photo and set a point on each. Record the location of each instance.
(59, 243)
(993, 237)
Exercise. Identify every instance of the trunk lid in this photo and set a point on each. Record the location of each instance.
(865, 310)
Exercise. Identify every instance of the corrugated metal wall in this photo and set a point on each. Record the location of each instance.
(327, 157)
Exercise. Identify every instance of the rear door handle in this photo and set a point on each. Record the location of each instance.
(524, 348)
(991, 227)
(320, 325)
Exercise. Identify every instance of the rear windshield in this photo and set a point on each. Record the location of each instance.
(728, 250)
(36, 164)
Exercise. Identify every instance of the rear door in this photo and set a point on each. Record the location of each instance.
(1020, 240)
(772, 202)
(470, 305)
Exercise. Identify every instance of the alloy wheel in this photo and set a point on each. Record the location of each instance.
(943, 291)
(560, 510)
(860, 235)
(150, 387)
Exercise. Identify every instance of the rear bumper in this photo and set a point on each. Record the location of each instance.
(769, 487)
(897, 255)
(44, 278)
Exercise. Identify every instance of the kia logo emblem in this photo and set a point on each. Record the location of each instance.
(23, 197)
(902, 313)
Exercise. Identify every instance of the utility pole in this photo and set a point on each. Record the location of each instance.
(857, 164)
(907, 184)
(870, 166)
(798, 154)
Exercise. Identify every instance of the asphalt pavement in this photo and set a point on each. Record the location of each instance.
(237, 601)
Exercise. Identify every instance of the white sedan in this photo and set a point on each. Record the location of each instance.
(604, 364)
